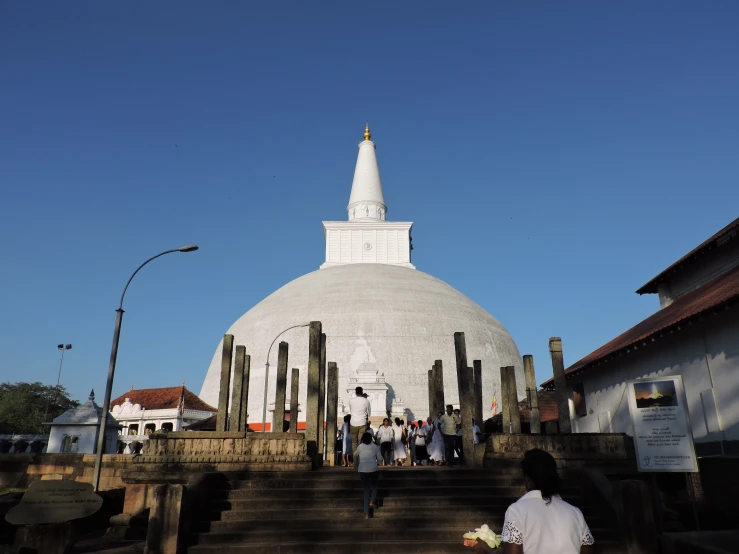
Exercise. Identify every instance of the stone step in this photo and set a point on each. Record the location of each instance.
(256, 510)
(432, 500)
(366, 546)
(393, 523)
(372, 530)
(353, 481)
(385, 490)
(337, 472)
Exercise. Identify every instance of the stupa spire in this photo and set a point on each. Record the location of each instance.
(366, 200)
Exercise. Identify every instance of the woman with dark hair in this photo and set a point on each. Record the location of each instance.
(540, 522)
(366, 458)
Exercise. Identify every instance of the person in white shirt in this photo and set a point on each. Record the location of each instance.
(398, 445)
(385, 436)
(366, 458)
(412, 442)
(421, 440)
(540, 521)
(359, 409)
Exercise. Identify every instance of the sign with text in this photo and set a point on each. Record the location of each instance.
(662, 434)
(54, 502)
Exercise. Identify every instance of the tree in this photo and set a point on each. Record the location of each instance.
(23, 406)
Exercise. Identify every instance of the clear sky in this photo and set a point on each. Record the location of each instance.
(554, 156)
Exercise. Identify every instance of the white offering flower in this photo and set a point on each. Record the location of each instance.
(486, 535)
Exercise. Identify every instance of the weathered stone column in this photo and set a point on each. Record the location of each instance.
(505, 400)
(314, 373)
(515, 414)
(466, 399)
(226, 355)
(332, 405)
(322, 401)
(431, 392)
(438, 387)
(477, 369)
(560, 385)
(532, 393)
(244, 419)
(235, 422)
(278, 417)
(294, 389)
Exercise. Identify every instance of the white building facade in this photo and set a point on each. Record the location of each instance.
(76, 430)
(695, 334)
(141, 412)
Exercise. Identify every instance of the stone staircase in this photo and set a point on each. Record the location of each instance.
(421, 510)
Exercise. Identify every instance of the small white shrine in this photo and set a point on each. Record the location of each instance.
(76, 430)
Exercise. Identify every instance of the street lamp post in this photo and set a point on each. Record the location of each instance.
(266, 376)
(111, 367)
(61, 347)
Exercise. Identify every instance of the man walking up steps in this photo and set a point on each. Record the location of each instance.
(359, 408)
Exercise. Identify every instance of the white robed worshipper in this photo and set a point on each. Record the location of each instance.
(398, 445)
(436, 447)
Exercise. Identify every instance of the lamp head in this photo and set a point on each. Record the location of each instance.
(188, 248)
(68, 347)
(60, 346)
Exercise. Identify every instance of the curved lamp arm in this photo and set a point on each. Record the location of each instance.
(111, 368)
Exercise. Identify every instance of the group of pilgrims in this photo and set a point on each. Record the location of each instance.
(431, 442)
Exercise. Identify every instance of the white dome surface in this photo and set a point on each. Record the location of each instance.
(396, 318)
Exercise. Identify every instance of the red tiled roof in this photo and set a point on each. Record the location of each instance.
(547, 408)
(719, 239)
(723, 290)
(162, 399)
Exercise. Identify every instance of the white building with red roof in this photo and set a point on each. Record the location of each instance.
(141, 412)
(694, 334)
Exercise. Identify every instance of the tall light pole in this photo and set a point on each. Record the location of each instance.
(266, 376)
(111, 367)
(61, 347)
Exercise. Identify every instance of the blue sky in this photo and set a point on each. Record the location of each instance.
(554, 156)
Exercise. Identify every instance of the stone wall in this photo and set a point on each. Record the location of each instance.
(569, 450)
(252, 451)
(22, 469)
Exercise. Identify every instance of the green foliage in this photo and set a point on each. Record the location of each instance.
(24, 405)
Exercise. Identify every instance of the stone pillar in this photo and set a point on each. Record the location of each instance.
(477, 369)
(332, 406)
(466, 398)
(532, 393)
(505, 400)
(226, 355)
(431, 393)
(515, 414)
(244, 419)
(235, 422)
(294, 389)
(438, 387)
(278, 417)
(164, 533)
(560, 385)
(322, 401)
(311, 408)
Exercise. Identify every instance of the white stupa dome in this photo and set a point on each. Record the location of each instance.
(377, 311)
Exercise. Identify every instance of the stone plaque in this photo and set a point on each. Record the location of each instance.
(54, 502)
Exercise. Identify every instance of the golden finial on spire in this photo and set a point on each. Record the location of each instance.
(367, 134)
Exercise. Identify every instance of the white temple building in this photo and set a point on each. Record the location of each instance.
(76, 430)
(385, 321)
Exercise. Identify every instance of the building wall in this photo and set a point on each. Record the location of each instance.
(20, 470)
(706, 269)
(87, 438)
(691, 352)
